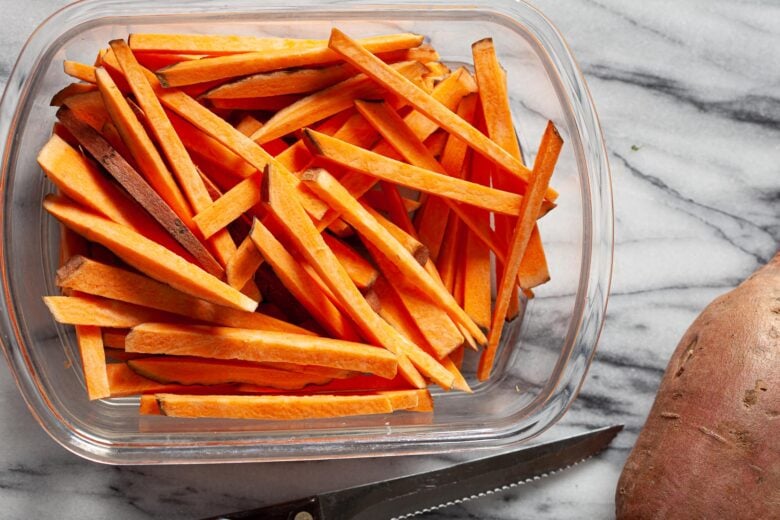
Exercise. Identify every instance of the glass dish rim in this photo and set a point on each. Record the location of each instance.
(595, 274)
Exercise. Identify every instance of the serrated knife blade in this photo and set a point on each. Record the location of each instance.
(405, 497)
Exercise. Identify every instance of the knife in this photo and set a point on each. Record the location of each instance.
(404, 497)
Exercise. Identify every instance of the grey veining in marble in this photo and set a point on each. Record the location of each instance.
(687, 93)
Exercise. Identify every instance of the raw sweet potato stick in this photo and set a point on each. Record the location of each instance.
(544, 166)
(494, 96)
(202, 371)
(331, 191)
(325, 103)
(144, 152)
(80, 71)
(260, 346)
(221, 67)
(271, 407)
(99, 312)
(91, 277)
(393, 311)
(299, 282)
(179, 160)
(310, 244)
(380, 167)
(140, 190)
(147, 256)
(361, 58)
(93, 361)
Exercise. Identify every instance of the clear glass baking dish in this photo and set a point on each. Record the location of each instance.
(541, 364)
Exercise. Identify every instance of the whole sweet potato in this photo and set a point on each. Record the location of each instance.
(711, 446)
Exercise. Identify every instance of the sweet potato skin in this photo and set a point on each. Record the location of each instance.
(711, 444)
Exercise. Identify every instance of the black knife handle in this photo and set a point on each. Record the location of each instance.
(302, 509)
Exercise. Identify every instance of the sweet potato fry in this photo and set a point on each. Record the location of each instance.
(269, 104)
(124, 382)
(112, 137)
(424, 54)
(147, 256)
(432, 219)
(372, 164)
(71, 90)
(358, 268)
(138, 188)
(300, 283)
(325, 103)
(207, 69)
(230, 206)
(93, 361)
(158, 60)
(393, 312)
(212, 44)
(475, 263)
(334, 194)
(260, 346)
(362, 59)
(144, 152)
(99, 312)
(218, 129)
(544, 166)
(353, 384)
(295, 81)
(199, 371)
(241, 268)
(179, 160)
(493, 93)
(311, 246)
(90, 277)
(432, 321)
(89, 107)
(297, 157)
(229, 168)
(80, 71)
(272, 407)
(449, 93)
(418, 251)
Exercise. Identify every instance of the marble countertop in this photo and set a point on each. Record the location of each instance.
(687, 96)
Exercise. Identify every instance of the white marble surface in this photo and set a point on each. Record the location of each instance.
(687, 95)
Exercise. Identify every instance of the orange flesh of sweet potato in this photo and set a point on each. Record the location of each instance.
(310, 244)
(432, 321)
(335, 194)
(199, 371)
(179, 160)
(283, 82)
(357, 55)
(241, 268)
(260, 346)
(325, 103)
(71, 90)
(498, 120)
(91, 277)
(526, 222)
(300, 283)
(188, 73)
(139, 190)
(710, 447)
(378, 166)
(144, 152)
(124, 382)
(100, 312)
(273, 407)
(93, 361)
(147, 256)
